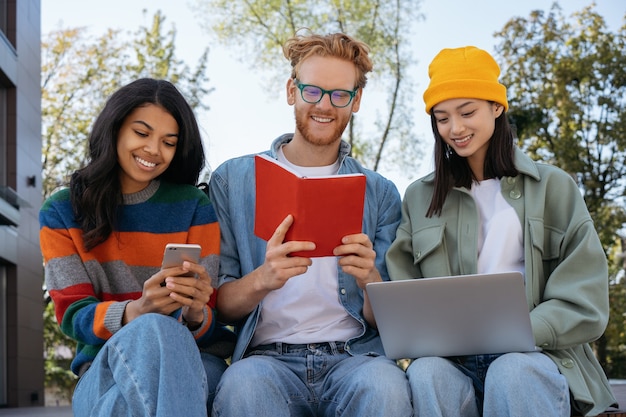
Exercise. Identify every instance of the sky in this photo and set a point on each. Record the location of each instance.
(244, 117)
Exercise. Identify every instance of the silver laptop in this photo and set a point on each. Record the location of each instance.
(452, 316)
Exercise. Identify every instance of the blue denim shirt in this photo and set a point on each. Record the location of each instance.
(232, 191)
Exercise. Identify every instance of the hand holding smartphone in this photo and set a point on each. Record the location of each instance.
(176, 253)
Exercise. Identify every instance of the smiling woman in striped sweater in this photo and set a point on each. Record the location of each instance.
(139, 343)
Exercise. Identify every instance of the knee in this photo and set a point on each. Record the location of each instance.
(518, 369)
(437, 382)
(435, 374)
(151, 323)
(383, 376)
(511, 363)
(427, 369)
(248, 375)
(160, 330)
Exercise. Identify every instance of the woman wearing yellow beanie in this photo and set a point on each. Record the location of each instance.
(487, 208)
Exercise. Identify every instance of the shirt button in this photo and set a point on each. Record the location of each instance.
(510, 180)
(515, 194)
(568, 363)
(418, 254)
(343, 291)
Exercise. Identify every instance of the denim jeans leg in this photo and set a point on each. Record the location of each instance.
(264, 385)
(151, 367)
(214, 368)
(365, 386)
(476, 367)
(515, 378)
(92, 398)
(316, 379)
(440, 389)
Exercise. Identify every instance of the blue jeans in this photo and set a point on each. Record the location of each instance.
(512, 384)
(317, 379)
(151, 367)
(475, 367)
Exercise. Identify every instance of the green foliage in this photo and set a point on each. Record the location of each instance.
(59, 351)
(258, 29)
(566, 81)
(79, 72)
(615, 334)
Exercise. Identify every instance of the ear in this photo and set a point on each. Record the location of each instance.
(356, 101)
(291, 92)
(498, 109)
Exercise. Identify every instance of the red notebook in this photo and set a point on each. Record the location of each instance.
(325, 209)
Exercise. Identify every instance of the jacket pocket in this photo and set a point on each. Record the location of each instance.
(546, 245)
(430, 252)
(546, 240)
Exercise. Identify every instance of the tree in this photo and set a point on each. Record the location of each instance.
(258, 29)
(567, 93)
(616, 330)
(78, 74)
(58, 353)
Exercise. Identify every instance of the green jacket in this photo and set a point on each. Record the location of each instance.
(566, 267)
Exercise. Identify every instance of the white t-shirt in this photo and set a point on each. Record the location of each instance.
(501, 239)
(307, 308)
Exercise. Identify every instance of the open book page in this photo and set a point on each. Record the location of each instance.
(325, 209)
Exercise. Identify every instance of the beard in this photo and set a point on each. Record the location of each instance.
(303, 126)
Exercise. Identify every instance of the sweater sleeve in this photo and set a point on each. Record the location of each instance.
(78, 310)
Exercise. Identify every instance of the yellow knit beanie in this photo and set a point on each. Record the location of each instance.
(467, 72)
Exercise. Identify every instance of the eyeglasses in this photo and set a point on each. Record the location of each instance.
(313, 94)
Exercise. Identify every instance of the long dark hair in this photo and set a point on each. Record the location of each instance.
(452, 170)
(96, 192)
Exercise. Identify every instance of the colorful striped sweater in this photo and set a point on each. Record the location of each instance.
(90, 290)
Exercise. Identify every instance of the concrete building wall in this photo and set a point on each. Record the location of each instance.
(21, 271)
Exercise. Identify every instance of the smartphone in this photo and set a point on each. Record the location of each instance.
(176, 253)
